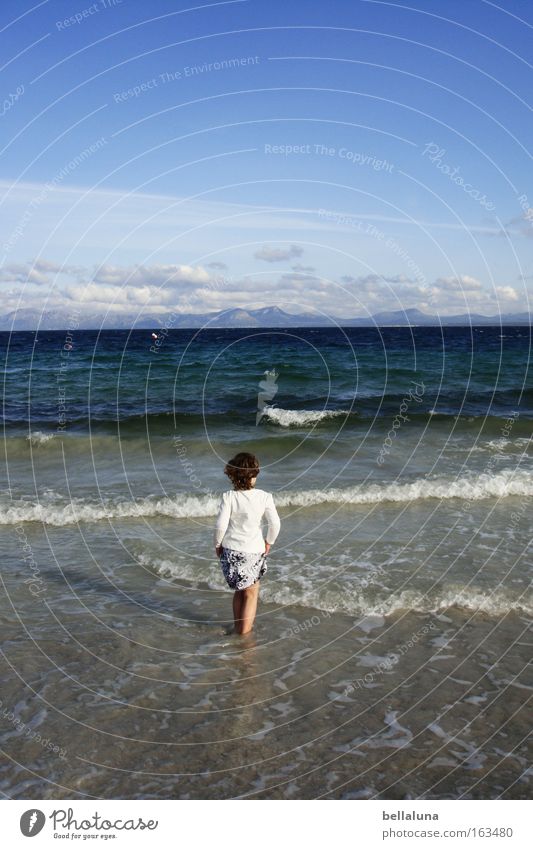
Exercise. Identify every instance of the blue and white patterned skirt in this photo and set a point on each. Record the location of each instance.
(242, 568)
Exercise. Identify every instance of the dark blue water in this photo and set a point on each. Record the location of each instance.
(101, 378)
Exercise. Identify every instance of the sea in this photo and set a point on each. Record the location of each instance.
(391, 657)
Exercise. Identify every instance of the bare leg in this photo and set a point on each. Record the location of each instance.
(248, 609)
(238, 598)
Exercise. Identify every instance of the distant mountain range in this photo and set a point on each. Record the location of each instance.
(29, 319)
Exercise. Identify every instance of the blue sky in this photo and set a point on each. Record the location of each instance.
(345, 157)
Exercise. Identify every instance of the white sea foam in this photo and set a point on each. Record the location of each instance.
(58, 511)
(502, 444)
(354, 603)
(468, 488)
(37, 437)
(297, 418)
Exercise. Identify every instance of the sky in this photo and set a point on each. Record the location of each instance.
(343, 158)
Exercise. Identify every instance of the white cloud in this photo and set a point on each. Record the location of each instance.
(22, 273)
(269, 254)
(303, 268)
(507, 293)
(187, 288)
(463, 283)
(520, 226)
(37, 272)
(53, 267)
(154, 274)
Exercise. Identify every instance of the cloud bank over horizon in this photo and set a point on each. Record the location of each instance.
(44, 284)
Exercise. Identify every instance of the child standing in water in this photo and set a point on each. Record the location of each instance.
(239, 541)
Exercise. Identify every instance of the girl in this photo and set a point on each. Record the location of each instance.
(239, 540)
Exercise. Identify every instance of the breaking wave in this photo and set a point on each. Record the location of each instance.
(56, 510)
(297, 418)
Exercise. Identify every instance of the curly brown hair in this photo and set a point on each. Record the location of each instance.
(241, 469)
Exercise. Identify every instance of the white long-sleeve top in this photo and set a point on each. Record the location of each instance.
(240, 516)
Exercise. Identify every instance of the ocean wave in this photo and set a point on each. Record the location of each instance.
(107, 446)
(360, 602)
(297, 418)
(189, 418)
(37, 437)
(467, 488)
(56, 511)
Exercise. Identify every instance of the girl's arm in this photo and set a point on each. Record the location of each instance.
(224, 512)
(273, 522)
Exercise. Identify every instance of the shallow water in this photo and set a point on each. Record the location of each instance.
(150, 698)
